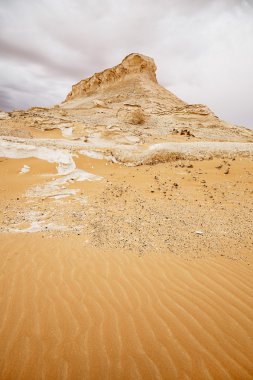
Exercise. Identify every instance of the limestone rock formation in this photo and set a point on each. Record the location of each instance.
(132, 83)
(127, 98)
(121, 107)
(132, 65)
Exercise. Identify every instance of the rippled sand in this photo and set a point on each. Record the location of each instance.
(71, 313)
(111, 300)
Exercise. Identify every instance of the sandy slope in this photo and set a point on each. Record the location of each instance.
(133, 292)
(68, 312)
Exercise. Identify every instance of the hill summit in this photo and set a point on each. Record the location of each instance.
(132, 65)
(128, 95)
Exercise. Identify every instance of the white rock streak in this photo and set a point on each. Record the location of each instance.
(64, 159)
(25, 169)
(66, 167)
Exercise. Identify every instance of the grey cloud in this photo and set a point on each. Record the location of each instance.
(203, 49)
(5, 101)
(12, 51)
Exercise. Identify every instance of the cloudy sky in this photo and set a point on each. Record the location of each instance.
(203, 48)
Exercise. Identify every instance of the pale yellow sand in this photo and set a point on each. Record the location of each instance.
(72, 313)
(75, 307)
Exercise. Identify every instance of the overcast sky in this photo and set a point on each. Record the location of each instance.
(203, 49)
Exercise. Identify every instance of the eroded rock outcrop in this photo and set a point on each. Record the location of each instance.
(134, 64)
(122, 105)
(127, 97)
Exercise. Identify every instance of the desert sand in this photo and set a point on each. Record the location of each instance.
(126, 236)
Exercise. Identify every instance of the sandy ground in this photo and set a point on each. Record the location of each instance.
(151, 277)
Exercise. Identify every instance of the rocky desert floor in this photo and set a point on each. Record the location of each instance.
(135, 273)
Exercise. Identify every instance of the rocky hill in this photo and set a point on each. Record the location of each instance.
(122, 112)
(134, 65)
(129, 95)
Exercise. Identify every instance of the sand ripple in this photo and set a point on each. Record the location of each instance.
(71, 313)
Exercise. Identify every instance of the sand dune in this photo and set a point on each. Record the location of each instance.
(69, 312)
(110, 300)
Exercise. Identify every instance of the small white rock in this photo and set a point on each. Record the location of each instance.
(25, 169)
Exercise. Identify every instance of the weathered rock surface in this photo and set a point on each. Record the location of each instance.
(131, 66)
(114, 96)
(124, 108)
